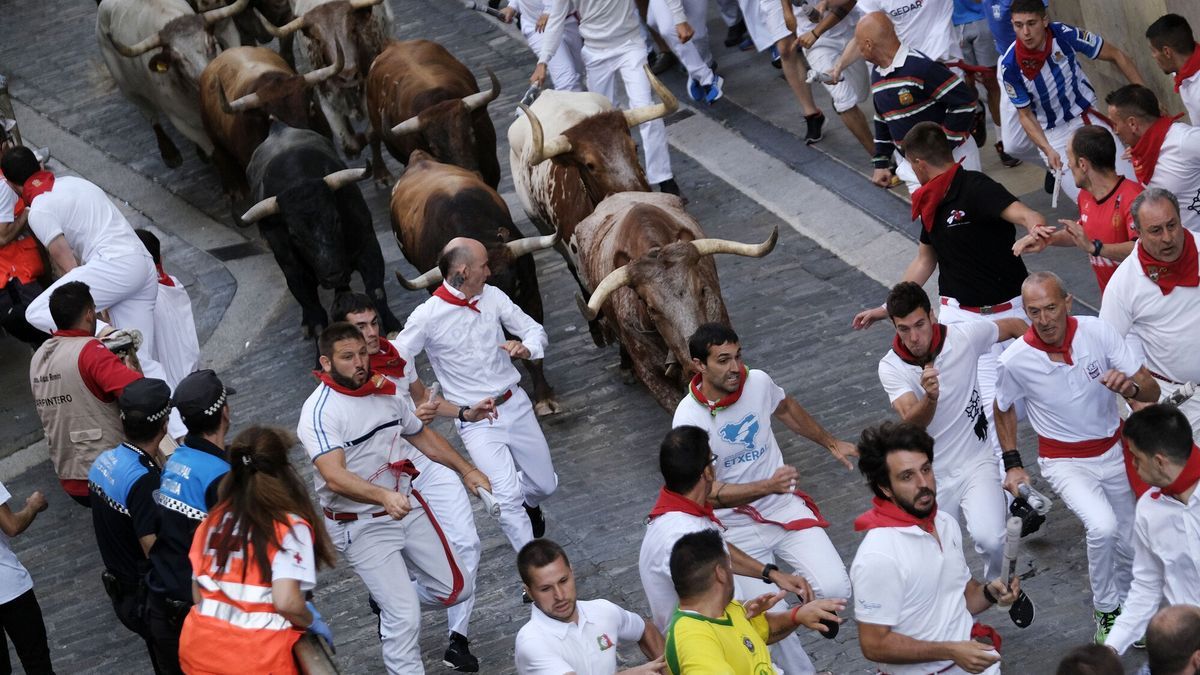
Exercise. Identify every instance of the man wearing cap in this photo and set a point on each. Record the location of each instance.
(122, 482)
(189, 489)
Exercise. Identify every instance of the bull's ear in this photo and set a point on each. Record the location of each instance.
(505, 235)
(160, 62)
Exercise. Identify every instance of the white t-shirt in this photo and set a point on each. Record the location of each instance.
(1167, 326)
(369, 429)
(546, 646)
(927, 26)
(1178, 171)
(91, 223)
(654, 560)
(295, 558)
(1189, 91)
(959, 425)
(8, 201)
(1067, 402)
(903, 579)
(14, 578)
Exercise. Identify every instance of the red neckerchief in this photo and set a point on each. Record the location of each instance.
(724, 402)
(887, 514)
(163, 277)
(445, 294)
(375, 384)
(38, 183)
(1144, 153)
(935, 347)
(930, 195)
(1031, 62)
(1032, 339)
(1185, 271)
(1186, 478)
(387, 360)
(673, 501)
(1189, 68)
(71, 333)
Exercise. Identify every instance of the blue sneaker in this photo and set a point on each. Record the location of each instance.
(696, 91)
(746, 45)
(775, 59)
(714, 90)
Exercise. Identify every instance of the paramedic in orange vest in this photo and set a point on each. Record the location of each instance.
(20, 266)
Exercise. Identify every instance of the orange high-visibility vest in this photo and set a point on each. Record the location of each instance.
(20, 258)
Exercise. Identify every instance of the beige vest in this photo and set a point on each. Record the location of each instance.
(78, 425)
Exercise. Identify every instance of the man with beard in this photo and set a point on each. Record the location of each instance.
(1065, 369)
(930, 376)
(567, 635)
(1173, 47)
(362, 435)
(914, 597)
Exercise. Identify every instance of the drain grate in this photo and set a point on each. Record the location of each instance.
(245, 249)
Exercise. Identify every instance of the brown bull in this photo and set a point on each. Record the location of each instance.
(433, 203)
(419, 97)
(653, 282)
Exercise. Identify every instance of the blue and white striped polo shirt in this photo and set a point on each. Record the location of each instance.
(1060, 91)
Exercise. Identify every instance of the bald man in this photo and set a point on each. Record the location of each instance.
(1173, 641)
(463, 330)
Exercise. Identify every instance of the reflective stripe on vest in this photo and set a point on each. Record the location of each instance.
(236, 617)
(239, 592)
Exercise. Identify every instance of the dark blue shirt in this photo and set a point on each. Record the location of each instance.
(918, 89)
(121, 485)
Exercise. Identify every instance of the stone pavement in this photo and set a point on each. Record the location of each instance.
(791, 308)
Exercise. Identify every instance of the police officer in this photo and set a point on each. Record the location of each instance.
(121, 486)
(189, 489)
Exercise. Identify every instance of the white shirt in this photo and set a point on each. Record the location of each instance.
(604, 24)
(904, 580)
(1167, 326)
(1189, 91)
(464, 345)
(14, 578)
(654, 560)
(8, 202)
(1067, 402)
(927, 26)
(1166, 563)
(834, 38)
(959, 424)
(84, 215)
(295, 558)
(547, 646)
(370, 430)
(1178, 171)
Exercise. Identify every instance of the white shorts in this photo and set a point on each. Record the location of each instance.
(855, 84)
(764, 20)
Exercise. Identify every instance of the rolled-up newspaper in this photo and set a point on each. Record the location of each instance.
(1057, 185)
(489, 502)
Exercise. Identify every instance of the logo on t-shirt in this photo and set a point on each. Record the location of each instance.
(905, 9)
(744, 431)
(1093, 370)
(974, 411)
(905, 96)
(956, 217)
(749, 643)
(1195, 205)
(605, 642)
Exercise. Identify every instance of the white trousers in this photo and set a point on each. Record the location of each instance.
(695, 54)
(566, 66)
(385, 552)
(447, 498)
(855, 84)
(729, 12)
(1060, 137)
(512, 451)
(976, 492)
(1097, 490)
(966, 152)
(626, 62)
(764, 21)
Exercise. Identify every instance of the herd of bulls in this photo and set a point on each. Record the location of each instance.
(643, 265)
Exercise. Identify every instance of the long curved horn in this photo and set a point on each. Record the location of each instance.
(280, 31)
(711, 246)
(321, 74)
(653, 111)
(221, 13)
(409, 126)
(430, 278)
(340, 179)
(267, 207)
(481, 99)
(538, 150)
(615, 279)
(526, 245)
(152, 42)
(363, 4)
(242, 104)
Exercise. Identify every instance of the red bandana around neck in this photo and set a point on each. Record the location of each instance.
(935, 347)
(1031, 62)
(725, 401)
(1186, 478)
(163, 277)
(673, 501)
(1032, 339)
(1189, 68)
(375, 384)
(445, 294)
(39, 183)
(887, 514)
(387, 360)
(930, 195)
(1184, 271)
(1144, 153)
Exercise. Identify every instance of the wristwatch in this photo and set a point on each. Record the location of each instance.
(767, 569)
(462, 411)
(1097, 245)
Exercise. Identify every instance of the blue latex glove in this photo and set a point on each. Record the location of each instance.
(318, 626)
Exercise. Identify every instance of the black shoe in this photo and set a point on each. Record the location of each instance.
(536, 519)
(979, 132)
(661, 62)
(736, 33)
(1005, 158)
(458, 655)
(813, 133)
(670, 187)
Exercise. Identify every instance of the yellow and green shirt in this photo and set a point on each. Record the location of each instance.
(730, 645)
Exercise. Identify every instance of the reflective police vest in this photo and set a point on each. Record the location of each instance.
(113, 475)
(185, 480)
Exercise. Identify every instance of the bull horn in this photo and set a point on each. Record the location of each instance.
(340, 179)
(409, 126)
(212, 16)
(430, 278)
(481, 99)
(653, 111)
(267, 207)
(248, 102)
(363, 4)
(538, 150)
(711, 246)
(615, 279)
(527, 245)
(152, 42)
(321, 74)
(280, 31)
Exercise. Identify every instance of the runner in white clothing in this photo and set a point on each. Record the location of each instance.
(930, 376)
(1173, 46)
(566, 65)
(1066, 370)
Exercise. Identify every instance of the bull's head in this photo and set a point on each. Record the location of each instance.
(278, 98)
(186, 44)
(310, 212)
(446, 128)
(334, 25)
(500, 257)
(677, 285)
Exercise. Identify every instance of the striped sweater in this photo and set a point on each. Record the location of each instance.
(914, 89)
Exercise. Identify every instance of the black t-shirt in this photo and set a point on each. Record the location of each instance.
(118, 532)
(974, 244)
